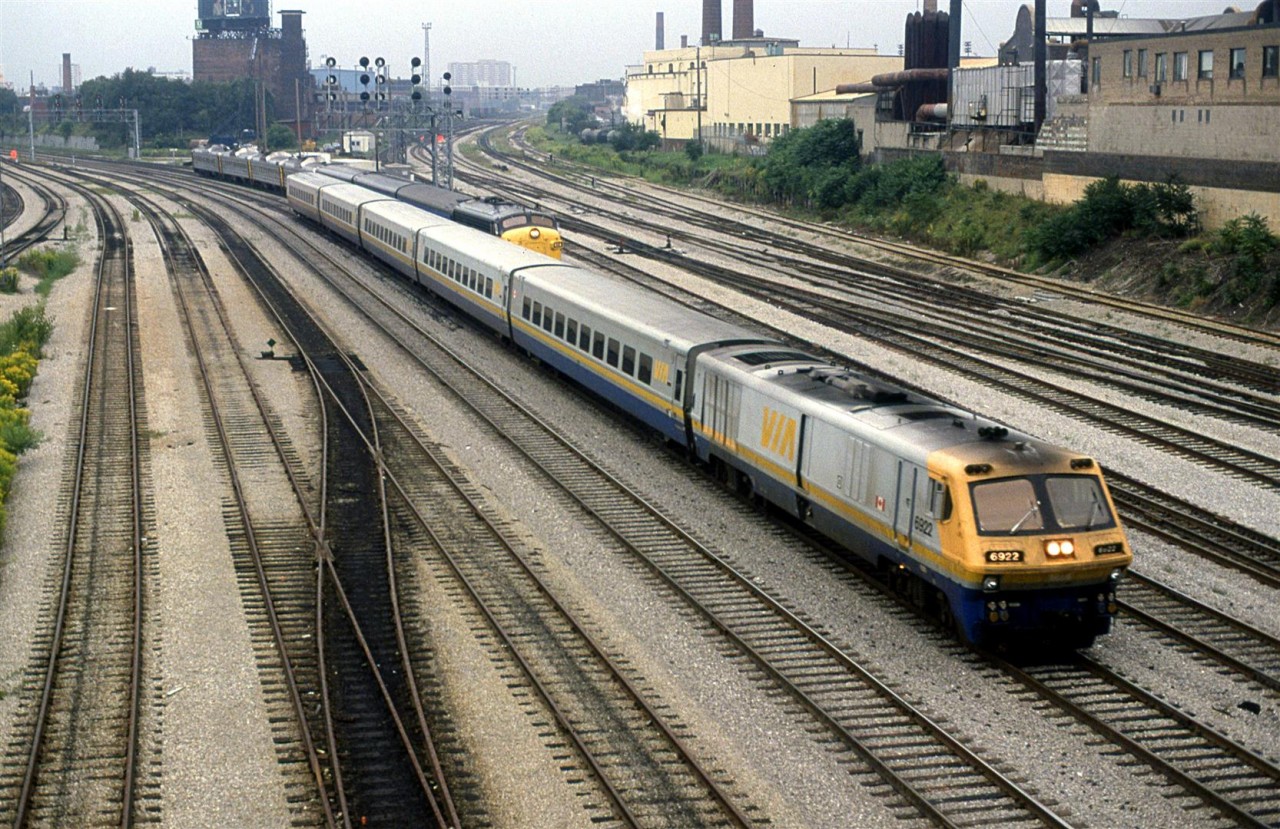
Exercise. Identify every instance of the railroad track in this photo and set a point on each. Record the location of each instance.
(363, 745)
(53, 211)
(1216, 775)
(277, 583)
(382, 758)
(1192, 378)
(1228, 806)
(619, 188)
(79, 763)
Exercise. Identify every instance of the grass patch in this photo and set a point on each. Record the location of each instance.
(48, 266)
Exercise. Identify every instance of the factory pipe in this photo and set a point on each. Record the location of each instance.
(1041, 57)
(712, 22)
(932, 112)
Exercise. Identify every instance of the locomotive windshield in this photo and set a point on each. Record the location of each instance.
(1039, 504)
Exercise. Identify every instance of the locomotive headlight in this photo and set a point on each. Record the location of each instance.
(1116, 574)
(1059, 548)
(535, 234)
(990, 584)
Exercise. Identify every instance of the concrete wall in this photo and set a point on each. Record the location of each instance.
(1223, 190)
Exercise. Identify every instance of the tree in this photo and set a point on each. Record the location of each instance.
(572, 114)
(813, 165)
(281, 137)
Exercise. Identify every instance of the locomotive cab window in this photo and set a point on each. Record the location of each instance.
(1041, 503)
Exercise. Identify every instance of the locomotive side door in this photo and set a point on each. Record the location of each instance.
(904, 512)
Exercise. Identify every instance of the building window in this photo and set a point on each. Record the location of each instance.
(1142, 63)
(1237, 63)
(1162, 67)
(1205, 72)
(1128, 63)
(1097, 72)
(1270, 61)
(1179, 66)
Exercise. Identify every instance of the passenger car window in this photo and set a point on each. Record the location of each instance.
(559, 332)
(628, 360)
(571, 331)
(537, 313)
(646, 369)
(597, 346)
(612, 358)
(584, 340)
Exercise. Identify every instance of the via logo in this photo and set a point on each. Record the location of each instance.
(778, 434)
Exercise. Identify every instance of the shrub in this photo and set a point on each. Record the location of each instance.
(9, 281)
(28, 328)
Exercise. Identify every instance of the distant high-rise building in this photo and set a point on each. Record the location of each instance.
(482, 73)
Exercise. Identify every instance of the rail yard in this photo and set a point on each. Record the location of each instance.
(305, 544)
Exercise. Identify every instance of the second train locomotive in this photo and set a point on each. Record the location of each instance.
(528, 227)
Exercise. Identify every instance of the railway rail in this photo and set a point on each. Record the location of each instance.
(1249, 809)
(618, 187)
(53, 209)
(82, 767)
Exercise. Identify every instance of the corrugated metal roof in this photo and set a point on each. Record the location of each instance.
(1106, 26)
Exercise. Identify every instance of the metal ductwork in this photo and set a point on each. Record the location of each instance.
(744, 25)
(712, 22)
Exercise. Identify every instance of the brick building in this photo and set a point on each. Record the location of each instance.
(277, 57)
(1210, 93)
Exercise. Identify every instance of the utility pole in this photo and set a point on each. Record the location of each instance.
(31, 114)
(426, 75)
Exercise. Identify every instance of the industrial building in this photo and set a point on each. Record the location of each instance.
(235, 41)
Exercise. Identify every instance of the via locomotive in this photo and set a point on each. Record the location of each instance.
(530, 228)
(999, 534)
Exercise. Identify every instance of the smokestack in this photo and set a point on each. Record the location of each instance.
(684, 41)
(930, 6)
(712, 22)
(66, 73)
(744, 24)
(661, 42)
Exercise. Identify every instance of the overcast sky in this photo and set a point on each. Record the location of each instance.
(550, 42)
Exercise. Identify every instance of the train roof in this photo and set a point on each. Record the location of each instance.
(487, 249)
(436, 199)
(404, 216)
(353, 195)
(640, 309)
(856, 401)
